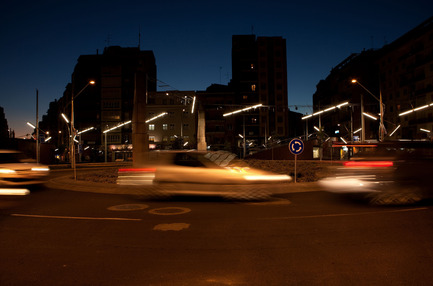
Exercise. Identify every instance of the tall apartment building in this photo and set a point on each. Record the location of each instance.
(110, 102)
(338, 88)
(402, 72)
(406, 80)
(259, 76)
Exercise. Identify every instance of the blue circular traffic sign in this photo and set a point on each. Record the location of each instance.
(296, 146)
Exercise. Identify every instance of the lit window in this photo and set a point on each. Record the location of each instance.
(151, 138)
(151, 126)
(253, 87)
(165, 126)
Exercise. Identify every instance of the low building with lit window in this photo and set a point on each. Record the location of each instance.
(172, 120)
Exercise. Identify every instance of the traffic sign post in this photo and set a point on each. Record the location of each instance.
(296, 147)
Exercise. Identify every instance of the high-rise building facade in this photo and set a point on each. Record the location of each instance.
(401, 72)
(259, 76)
(406, 80)
(110, 101)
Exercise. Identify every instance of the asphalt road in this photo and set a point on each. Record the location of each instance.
(57, 237)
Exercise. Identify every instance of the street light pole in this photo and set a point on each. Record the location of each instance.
(38, 146)
(362, 120)
(71, 141)
(110, 129)
(382, 107)
(239, 111)
(245, 142)
(38, 150)
(73, 131)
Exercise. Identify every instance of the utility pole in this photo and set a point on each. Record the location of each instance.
(37, 127)
(362, 120)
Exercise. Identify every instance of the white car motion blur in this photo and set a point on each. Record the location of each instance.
(202, 173)
(386, 173)
(18, 172)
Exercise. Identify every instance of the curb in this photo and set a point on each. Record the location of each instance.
(68, 184)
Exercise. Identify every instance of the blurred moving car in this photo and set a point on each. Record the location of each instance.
(17, 171)
(386, 173)
(202, 173)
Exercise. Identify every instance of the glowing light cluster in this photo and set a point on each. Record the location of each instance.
(115, 127)
(242, 110)
(85, 130)
(416, 109)
(158, 116)
(326, 110)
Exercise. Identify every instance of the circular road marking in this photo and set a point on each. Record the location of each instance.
(128, 207)
(170, 211)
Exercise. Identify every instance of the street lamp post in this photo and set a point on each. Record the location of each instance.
(79, 138)
(111, 129)
(362, 119)
(244, 137)
(382, 107)
(319, 113)
(239, 111)
(70, 135)
(38, 150)
(73, 131)
(38, 147)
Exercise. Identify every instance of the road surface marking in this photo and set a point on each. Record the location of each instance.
(77, 217)
(169, 211)
(345, 214)
(128, 207)
(171, 226)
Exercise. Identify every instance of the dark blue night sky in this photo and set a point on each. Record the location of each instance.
(42, 40)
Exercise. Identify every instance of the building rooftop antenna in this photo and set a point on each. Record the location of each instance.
(107, 41)
(139, 37)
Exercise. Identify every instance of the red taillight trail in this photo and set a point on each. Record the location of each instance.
(368, 164)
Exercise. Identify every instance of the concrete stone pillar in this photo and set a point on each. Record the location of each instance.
(140, 138)
(201, 134)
